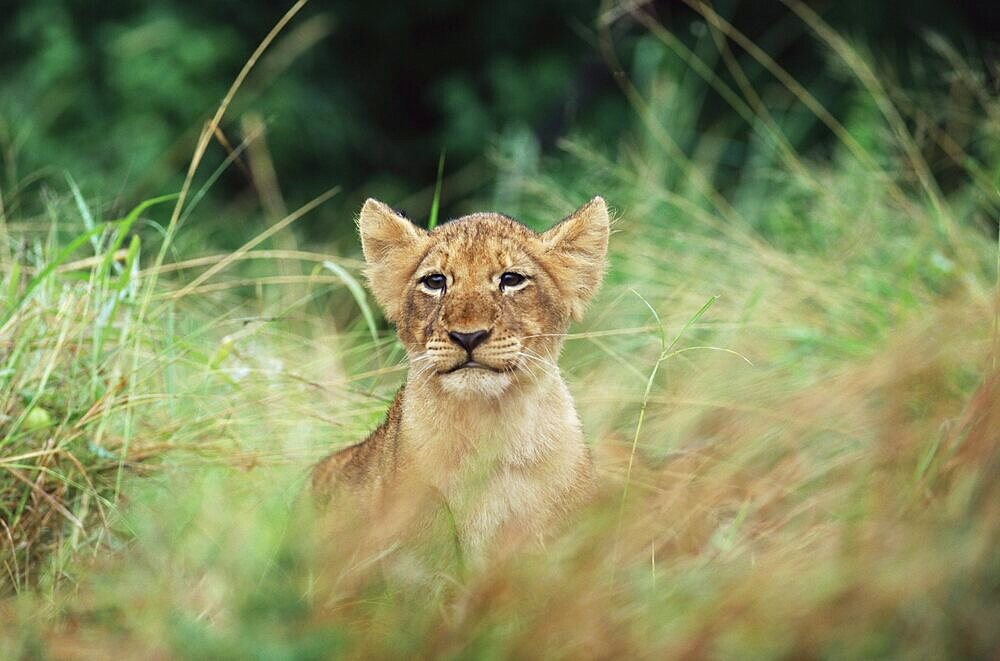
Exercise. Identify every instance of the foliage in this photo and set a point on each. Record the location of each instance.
(116, 92)
(810, 468)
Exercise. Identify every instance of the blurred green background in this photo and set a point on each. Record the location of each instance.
(820, 479)
(367, 95)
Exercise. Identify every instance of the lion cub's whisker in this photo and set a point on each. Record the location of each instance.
(545, 366)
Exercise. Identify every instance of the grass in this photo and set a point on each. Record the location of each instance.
(805, 465)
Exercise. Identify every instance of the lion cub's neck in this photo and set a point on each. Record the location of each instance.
(442, 434)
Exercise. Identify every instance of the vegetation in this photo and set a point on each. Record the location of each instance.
(790, 380)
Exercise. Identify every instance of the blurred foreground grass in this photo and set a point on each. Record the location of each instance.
(816, 473)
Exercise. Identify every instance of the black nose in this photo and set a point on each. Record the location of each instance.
(469, 341)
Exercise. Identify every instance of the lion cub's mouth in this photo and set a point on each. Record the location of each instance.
(470, 364)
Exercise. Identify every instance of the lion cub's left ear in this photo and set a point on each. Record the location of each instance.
(578, 249)
(392, 246)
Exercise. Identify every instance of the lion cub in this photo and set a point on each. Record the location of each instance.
(484, 421)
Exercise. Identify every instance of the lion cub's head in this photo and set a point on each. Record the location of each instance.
(481, 302)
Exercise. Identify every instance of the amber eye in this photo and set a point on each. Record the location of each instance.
(434, 281)
(510, 279)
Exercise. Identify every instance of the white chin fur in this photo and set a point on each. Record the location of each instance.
(474, 383)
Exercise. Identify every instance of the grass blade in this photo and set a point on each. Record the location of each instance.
(436, 204)
(358, 292)
(60, 258)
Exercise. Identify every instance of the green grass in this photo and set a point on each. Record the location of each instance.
(806, 465)
(432, 220)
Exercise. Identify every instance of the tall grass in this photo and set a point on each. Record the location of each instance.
(806, 466)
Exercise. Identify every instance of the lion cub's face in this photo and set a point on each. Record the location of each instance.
(481, 303)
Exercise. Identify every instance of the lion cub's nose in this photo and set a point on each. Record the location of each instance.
(469, 341)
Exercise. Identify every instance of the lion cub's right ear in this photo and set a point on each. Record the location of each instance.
(577, 250)
(392, 246)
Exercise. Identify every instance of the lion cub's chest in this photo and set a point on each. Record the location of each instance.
(498, 479)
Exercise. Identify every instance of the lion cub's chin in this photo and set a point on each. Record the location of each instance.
(475, 383)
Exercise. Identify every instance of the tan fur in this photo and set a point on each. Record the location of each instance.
(499, 445)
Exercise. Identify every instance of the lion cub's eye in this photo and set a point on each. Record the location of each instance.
(434, 281)
(511, 280)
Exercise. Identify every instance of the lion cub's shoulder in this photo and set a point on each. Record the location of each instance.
(357, 466)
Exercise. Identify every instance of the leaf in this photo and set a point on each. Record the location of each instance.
(13, 282)
(358, 292)
(61, 257)
(81, 205)
(436, 204)
(125, 224)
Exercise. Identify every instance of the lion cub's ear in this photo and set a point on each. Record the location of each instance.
(578, 248)
(392, 246)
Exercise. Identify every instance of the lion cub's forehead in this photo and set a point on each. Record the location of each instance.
(481, 242)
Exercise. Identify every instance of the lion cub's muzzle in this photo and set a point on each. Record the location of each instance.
(478, 349)
(469, 342)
